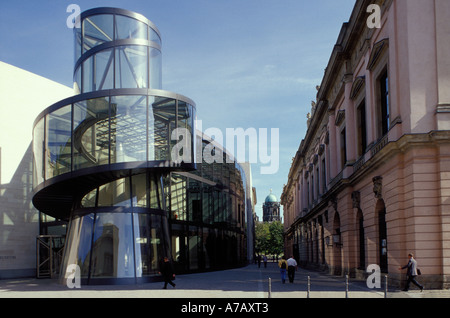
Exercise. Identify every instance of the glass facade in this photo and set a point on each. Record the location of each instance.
(103, 163)
(116, 50)
(108, 130)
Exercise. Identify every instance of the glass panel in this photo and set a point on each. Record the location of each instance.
(155, 69)
(91, 133)
(77, 81)
(193, 248)
(116, 193)
(161, 123)
(89, 199)
(129, 28)
(112, 251)
(155, 193)
(128, 128)
(178, 197)
(79, 243)
(59, 141)
(154, 36)
(97, 30)
(88, 75)
(131, 67)
(148, 243)
(77, 46)
(139, 191)
(38, 151)
(104, 72)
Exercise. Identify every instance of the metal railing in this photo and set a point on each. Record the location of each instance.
(49, 252)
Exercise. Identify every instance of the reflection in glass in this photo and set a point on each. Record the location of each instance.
(91, 133)
(116, 193)
(161, 124)
(139, 191)
(112, 249)
(59, 145)
(89, 200)
(178, 197)
(128, 128)
(79, 243)
(148, 234)
(155, 193)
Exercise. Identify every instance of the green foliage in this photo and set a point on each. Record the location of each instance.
(269, 238)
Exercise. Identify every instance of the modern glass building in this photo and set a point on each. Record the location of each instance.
(103, 163)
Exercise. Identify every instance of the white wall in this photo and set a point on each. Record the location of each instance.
(23, 96)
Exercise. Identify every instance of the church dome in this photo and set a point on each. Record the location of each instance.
(271, 198)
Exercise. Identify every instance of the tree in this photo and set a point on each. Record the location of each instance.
(276, 241)
(261, 238)
(269, 238)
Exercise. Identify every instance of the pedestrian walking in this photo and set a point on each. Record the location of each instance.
(283, 268)
(411, 273)
(166, 271)
(292, 267)
(265, 261)
(259, 261)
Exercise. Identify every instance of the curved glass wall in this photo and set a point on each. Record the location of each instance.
(103, 160)
(116, 49)
(120, 230)
(108, 130)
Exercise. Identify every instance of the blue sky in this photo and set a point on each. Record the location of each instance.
(245, 63)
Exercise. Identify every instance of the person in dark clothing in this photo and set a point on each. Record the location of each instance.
(411, 273)
(166, 271)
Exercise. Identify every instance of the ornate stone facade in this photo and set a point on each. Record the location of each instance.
(370, 181)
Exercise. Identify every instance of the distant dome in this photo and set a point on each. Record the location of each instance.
(271, 198)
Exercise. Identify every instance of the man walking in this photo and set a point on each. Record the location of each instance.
(411, 273)
(292, 267)
(166, 271)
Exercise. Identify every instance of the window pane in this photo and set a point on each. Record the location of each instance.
(79, 243)
(129, 28)
(131, 67)
(149, 248)
(161, 123)
(104, 72)
(139, 190)
(154, 36)
(89, 199)
(128, 128)
(155, 69)
(116, 193)
(178, 197)
(112, 251)
(97, 29)
(39, 150)
(59, 141)
(88, 75)
(91, 133)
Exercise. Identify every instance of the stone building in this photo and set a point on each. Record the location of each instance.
(271, 208)
(370, 181)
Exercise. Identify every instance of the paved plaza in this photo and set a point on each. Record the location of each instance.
(245, 283)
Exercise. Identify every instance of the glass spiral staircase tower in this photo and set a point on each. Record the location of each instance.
(102, 156)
